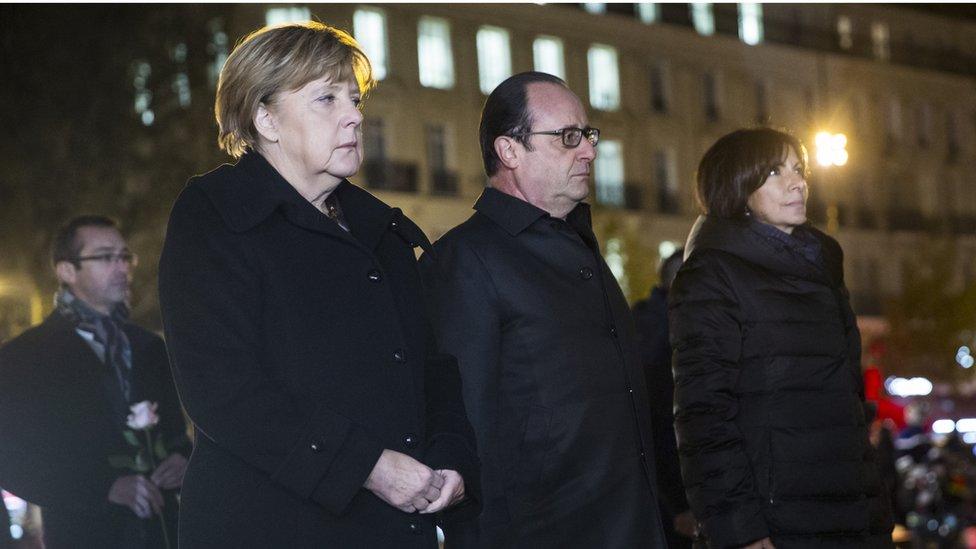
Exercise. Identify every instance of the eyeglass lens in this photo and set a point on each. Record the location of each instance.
(573, 136)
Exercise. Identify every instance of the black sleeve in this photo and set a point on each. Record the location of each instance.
(452, 441)
(707, 339)
(465, 316)
(48, 455)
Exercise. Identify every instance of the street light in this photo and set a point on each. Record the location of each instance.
(831, 151)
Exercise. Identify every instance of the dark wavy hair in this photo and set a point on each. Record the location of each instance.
(738, 164)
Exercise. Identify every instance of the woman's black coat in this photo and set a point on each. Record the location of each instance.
(768, 394)
(300, 352)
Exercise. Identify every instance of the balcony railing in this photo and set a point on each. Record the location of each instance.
(443, 183)
(390, 175)
(901, 219)
(963, 224)
(866, 219)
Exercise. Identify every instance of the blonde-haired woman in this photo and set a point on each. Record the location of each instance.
(296, 327)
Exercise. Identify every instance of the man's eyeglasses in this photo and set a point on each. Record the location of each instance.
(571, 137)
(128, 258)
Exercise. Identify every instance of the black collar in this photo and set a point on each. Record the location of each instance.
(247, 193)
(515, 215)
(739, 238)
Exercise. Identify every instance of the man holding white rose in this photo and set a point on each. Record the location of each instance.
(90, 423)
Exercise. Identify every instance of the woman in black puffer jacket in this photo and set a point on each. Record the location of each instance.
(769, 403)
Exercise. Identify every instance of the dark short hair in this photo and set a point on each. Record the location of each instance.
(66, 246)
(506, 111)
(738, 164)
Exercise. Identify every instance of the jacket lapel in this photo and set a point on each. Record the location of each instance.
(79, 354)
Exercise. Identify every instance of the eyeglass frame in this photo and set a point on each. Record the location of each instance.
(129, 258)
(562, 133)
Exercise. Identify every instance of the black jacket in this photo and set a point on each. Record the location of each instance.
(300, 352)
(769, 403)
(552, 384)
(653, 342)
(62, 414)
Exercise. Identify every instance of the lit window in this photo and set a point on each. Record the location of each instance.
(751, 23)
(548, 54)
(703, 18)
(595, 7)
(604, 78)
(278, 16)
(880, 39)
(434, 53)
(609, 173)
(648, 12)
(494, 57)
(369, 28)
(845, 32)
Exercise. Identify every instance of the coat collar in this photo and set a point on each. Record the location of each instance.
(247, 193)
(742, 239)
(514, 215)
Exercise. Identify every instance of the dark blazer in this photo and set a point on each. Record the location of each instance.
(552, 383)
(769, 399)
(300, 352)
(62, 415)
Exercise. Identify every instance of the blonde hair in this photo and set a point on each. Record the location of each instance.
(281, 58)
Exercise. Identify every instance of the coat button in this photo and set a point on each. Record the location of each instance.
(399, 356)
(316, 446)
(414, 528)
(394, 225)
(613, 330)
(374, 276)
(586, 273)
(410, 440)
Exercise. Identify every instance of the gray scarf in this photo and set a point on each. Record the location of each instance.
(108, 340)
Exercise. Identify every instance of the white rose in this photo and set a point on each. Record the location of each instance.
(143, 415)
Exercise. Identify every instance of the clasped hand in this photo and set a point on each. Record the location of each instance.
(144, 495)
(411, 486)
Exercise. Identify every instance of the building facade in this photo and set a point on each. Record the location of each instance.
(663, 82)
